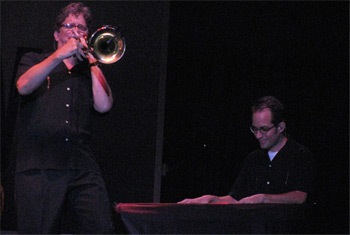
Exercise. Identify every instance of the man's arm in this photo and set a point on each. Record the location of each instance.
(295, 197)
(209, 199)
(32, 79)
(102, 93)
(103, 98)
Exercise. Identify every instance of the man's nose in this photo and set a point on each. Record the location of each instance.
(75, 31)
(258, 135)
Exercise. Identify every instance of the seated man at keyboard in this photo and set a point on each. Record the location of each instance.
(282, 171)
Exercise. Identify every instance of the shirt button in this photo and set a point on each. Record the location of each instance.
(67, 105)
(67, 139)
(268, 182)
(67, 121)
(68, 88)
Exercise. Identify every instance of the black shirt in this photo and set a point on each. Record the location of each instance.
(53, 124)
(291, 169)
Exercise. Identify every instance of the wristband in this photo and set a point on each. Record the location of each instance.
(95, 64)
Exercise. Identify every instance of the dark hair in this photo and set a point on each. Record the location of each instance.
(276, 107)
(76, 9)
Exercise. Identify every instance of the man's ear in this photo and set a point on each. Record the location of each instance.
(55, 34)
(281, 127)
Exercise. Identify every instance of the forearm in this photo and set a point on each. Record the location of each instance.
(295, 197)
(224, 199)
(32, 79)
(205, 199)
(103, 98)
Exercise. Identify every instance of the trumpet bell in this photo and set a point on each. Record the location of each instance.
(107, 45)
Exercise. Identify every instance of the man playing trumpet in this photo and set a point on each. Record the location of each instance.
(55, 167)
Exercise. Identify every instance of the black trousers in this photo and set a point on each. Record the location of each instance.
(44, 199)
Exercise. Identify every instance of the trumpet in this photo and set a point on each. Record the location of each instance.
(107, 44)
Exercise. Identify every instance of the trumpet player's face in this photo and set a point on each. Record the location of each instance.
(72, 26)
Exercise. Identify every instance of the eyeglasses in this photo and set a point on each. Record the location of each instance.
(263, 130)
(71, 26)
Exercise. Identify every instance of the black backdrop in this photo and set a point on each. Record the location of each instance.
(192, 70)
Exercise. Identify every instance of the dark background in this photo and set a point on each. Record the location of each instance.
(191, 71)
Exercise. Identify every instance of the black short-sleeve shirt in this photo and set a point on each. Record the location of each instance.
(291, 169)
(53, 122)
